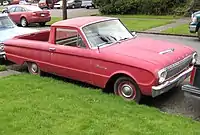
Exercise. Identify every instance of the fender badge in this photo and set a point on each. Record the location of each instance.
(167, 51)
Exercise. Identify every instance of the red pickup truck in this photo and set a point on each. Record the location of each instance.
(102, 52)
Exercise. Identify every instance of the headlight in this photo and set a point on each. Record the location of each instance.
(1, 47)
(194, 58)
(162, 74)
(194, 19)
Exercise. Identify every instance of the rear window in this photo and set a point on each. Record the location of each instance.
(34, 8)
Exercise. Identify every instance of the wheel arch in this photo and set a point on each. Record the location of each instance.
(110, 83)
(23, 16)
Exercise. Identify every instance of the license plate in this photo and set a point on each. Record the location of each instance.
(42, 14)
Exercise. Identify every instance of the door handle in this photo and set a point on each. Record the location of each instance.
(52, 49)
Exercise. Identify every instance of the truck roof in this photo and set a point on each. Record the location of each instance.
(81, 21)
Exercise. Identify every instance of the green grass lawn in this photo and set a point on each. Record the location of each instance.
(145, 16)
(132, 24)
(1, 8)
(2, 68)
(33, 105)
(181, 29)
(53, 20)
(141, 25)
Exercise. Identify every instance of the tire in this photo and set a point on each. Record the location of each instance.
(42, 23)
(127, 89)
(23, 22)
(87, 7)
(198, 33)
(73, 6)
(33, 68)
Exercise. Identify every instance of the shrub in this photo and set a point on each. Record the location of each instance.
(156, 7)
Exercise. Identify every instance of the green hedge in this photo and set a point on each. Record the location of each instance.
(156, 7)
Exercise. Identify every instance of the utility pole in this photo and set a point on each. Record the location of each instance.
(64, 9)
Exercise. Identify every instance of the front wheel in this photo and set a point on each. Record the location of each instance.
(23, 22)
(127, 89)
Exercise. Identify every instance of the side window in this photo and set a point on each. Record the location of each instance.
(69, 37)
(19, 9)
(12, 9)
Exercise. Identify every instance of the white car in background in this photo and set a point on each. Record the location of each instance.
(58, 5)
(5, 3)
(87, 4)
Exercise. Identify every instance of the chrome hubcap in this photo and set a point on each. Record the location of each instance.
(34, 68)
(23, 22)
(127, 91)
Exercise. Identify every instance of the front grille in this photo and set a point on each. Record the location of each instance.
(179, 66)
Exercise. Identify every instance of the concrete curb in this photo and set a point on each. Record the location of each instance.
(8, 73)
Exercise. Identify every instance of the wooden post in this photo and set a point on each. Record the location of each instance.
(64, 9)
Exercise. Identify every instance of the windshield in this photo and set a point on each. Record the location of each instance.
(106, 32)
(5, 22)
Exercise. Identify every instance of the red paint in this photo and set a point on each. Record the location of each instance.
(192, 76)
(30, 16)
(138, 58)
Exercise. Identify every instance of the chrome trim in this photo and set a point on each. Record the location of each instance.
(167, 83)
(178, 62)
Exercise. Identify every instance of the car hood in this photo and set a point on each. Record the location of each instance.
(154, 51)
(16, 31)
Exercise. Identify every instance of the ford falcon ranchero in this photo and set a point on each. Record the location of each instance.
(102, 52)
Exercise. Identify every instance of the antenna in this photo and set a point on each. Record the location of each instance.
(98, 49)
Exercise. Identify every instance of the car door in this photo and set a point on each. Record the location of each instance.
(10, 13)
(70, 57)
(15, 14)
(18, 13)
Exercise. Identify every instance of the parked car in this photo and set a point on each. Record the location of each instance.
(102, 52)
(8, 30)
(74, 3)
(88, 4)
(5, 3)
(195, 23)
(14, 2)
(193, 88)
(58, 5)
(46, 4)
(24, 2)
(27, 14)
(70, 4)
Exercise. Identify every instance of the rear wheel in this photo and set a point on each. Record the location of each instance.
(33, 68)
(23, 22)
(42, 23)
(73, 6)
(127, 89)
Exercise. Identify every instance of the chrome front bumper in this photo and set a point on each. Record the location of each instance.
(166, 86)
(192, 28)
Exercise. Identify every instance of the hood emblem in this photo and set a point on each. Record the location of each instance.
(167, 51)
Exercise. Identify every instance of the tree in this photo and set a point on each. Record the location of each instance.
(64, 9)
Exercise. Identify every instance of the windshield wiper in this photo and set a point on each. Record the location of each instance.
(123, 39)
